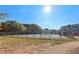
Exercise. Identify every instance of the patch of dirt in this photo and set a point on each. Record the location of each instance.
(67, 48)
(21, 48)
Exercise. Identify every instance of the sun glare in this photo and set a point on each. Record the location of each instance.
(47, 9)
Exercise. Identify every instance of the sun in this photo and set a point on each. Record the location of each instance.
(47, 9)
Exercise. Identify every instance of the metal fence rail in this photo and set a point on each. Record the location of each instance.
(48, 36)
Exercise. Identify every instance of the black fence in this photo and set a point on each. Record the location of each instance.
(7, 33)
(41, 35)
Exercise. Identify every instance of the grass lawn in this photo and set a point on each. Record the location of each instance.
(35, 41)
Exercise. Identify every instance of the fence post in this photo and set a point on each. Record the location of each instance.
(41, 33)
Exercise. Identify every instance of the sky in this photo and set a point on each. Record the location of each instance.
(52, 17)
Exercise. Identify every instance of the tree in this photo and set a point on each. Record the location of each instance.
(3, 16)
(4, 26)
(13, 26)
(22, 28)
(35, 29)
(28, 28)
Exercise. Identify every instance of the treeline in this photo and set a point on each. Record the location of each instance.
(18, 28)
(72, 29)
